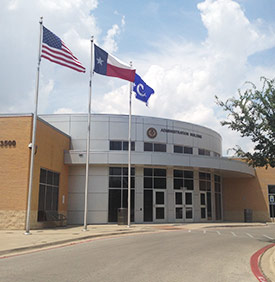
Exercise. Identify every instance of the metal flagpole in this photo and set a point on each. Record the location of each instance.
(88, 140)
(34, 132)
(129, 152)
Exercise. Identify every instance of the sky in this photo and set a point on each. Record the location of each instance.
(187, 51)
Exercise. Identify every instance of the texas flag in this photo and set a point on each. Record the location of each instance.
(107, 64)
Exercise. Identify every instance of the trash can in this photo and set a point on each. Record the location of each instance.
(122, 216)
(248, 215)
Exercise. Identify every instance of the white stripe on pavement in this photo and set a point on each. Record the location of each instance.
(233, 234)
(270, 238)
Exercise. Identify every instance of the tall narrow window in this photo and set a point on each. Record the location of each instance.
(118, 191)
(48, 193)
(218, 197)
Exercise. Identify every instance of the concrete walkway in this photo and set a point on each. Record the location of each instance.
(13, 242)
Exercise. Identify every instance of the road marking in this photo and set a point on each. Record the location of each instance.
(204, 231)
(234, 234)
(270, 238)
(189, 231)
(218, 232)
(251, 236)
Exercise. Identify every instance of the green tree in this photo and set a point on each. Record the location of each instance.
(253, 116)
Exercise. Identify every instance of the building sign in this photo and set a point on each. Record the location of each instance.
(152, 133)
(271, 199)
(166, 130)
(7, 143)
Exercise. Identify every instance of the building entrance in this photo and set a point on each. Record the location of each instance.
(183, 206)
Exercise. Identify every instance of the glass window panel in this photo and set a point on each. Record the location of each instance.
(55, 199)
(189, 213)
(201, 152)
(116, 145)
(159, 198)
(202, 185)
(132, 182)
(159, 147)
(115, 170)
(41, 202)
(125, 145)
(188, 150)
(188, 198)
(179, 213)
(178, 198)
(178, 173)
(148, 182)
(189, 184)
(208, 185)
(160, 183)
(217, 178)
(218, 206)
(209, 209)
(202, 175)
(159, 213)
(159, 172)
(203, 213)
(203, 200)
(188, 174)
(148, 147)
(271, 189)
(178, 149)
(48, 199)
(148, 171)
(148, 205)
(114, 204)
(125, 182)
(115, 182)
(49, 177)
(56, 179)
(43, 176)
(178, 183)
(125, 171)
(217, 187)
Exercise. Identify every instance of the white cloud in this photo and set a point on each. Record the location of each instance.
(185, 84)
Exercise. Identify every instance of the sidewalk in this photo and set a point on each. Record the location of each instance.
(14, 241)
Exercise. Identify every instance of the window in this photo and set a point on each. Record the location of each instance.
(154, 178)
(217, 155)
(205, 185)
(48, 193)
(154, 147)
(118, 191)
(183, 149)
(204, 152)
(218, 197)
(121, 146)
(183, 179)
(271, 199)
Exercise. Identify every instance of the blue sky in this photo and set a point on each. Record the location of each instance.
(188, 51)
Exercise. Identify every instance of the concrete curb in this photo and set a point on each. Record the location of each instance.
(61, 242)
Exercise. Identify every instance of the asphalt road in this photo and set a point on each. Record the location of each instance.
(178, 255)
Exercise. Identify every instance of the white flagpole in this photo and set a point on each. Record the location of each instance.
(34, 133)
(88, 140)
(129, 152)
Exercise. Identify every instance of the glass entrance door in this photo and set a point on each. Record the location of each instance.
(159, 205)
(203, 205)
(183, 206)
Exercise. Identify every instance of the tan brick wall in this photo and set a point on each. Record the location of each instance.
(14, 169)
(50, 155)
(248, 193)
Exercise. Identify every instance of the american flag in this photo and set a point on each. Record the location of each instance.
(55, 50)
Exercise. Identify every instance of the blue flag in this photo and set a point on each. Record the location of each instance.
(143, 91)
